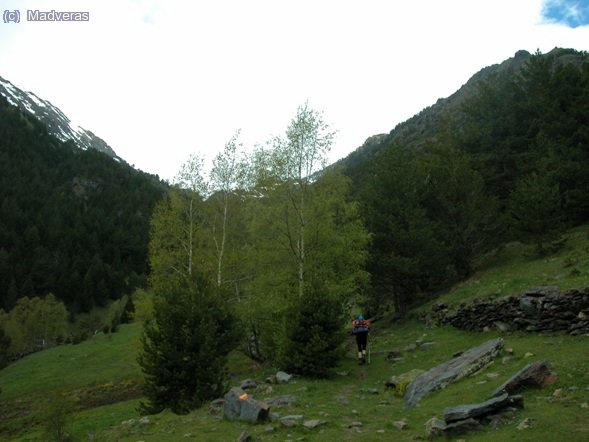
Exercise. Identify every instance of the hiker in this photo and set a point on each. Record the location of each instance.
(360, 328)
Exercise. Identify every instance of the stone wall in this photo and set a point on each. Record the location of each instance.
(542, 309)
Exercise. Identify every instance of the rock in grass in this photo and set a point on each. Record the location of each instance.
(435, 427)
(313, 423)
(535, 374)
(475, 411)
(400, 382)
(438, 377)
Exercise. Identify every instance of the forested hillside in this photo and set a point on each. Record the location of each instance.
(72, 222)
(503, 158)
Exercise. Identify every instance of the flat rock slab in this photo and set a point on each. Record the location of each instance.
(535, 375)
(239, 405)
(476, 411)
(463, 365)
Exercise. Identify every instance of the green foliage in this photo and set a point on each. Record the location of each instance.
(536, 211)
(58, 420)
(314, 334)
(303, 231)
(185, 347)
(4, 346)
(35, 323)
(142, 306)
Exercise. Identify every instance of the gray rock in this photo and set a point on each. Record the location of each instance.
(467, 363)
(241, 406)
(525, 424)
(535, 374)
(401, 425)
(492, 406)
(282, 377)
(292, 417)
(281, 401)
(462, 426)
(144, 420)
(355, 424)
(410, 347)
(248, 383)
(269, 429)
(435, 427)
(313, 423)
(244, 437)
(502, 326)
(426, 345)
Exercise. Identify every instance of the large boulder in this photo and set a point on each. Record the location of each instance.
(477, 411)
(463, 365)
(536, 375)
(241, 406)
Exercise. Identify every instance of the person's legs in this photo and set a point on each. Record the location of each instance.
(361, 339)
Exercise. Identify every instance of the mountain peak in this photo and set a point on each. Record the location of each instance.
(58, 124)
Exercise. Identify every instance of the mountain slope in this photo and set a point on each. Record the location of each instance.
(73, 222)
(420, 128)
(57, 123)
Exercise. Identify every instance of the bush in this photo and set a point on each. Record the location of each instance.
(314, 334)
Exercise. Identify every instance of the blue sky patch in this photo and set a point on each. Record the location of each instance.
(572, 13)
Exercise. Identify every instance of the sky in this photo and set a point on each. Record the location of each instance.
(159, 80)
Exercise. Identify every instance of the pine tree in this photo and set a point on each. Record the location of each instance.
(185, 347)
(314, 334)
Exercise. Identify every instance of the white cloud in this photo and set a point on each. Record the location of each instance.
(160, 79)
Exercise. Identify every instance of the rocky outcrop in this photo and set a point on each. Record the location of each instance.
(542, 309)
(463, 365)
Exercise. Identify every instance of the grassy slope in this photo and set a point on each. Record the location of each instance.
(91, 373)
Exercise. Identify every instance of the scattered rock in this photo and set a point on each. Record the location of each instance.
(244, 437)
(492, 375)
(313, 423)
(281, 401)
(435, 427)
(282, 377)
(502, 326)
(525, 424)
(293, 417)
(467, 363)
(535, 374)
(144, 420)
(372, 391)
(528, 354)
(248, 383)
(401, 425)
(342, 373)
(287, 423)
(129, 422)
(426, 345)
(355, 424)
(410, 347)
(584, 405)
(557, 393)
(264, 389)
(462, 426)
(269, 429)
